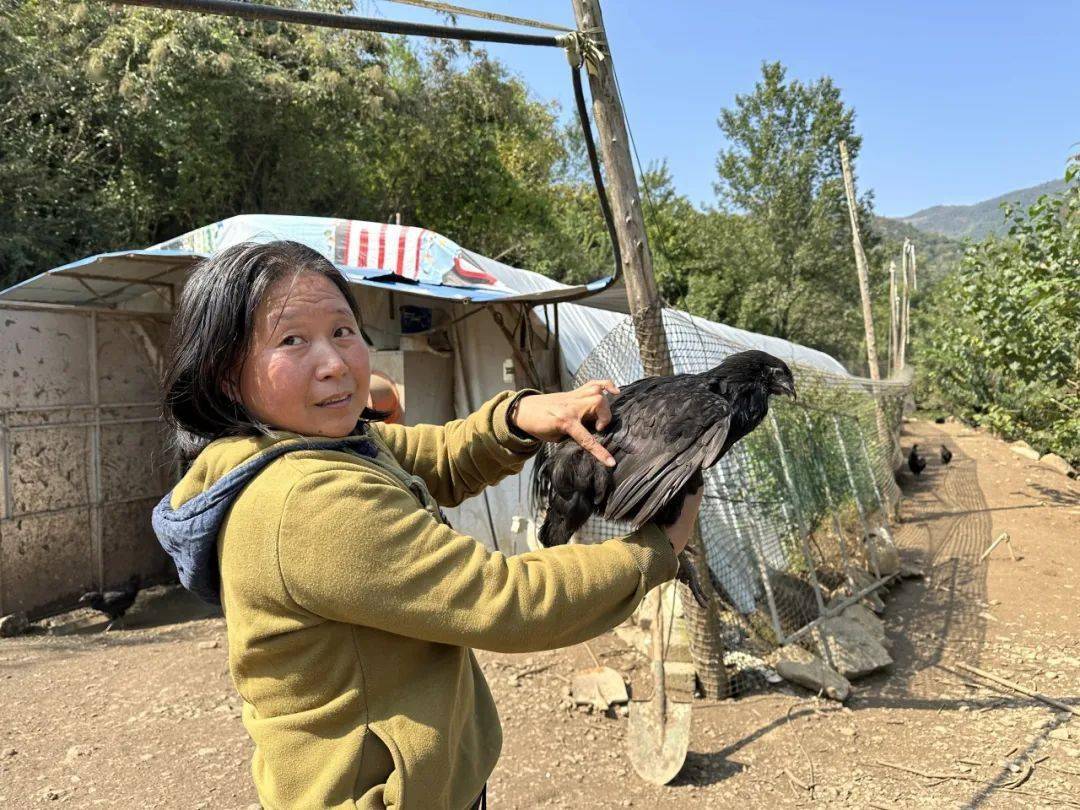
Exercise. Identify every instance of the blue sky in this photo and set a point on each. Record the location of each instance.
(956, 101)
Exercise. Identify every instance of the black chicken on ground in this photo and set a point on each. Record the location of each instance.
(915, 462)
(113, 604)
(663, 432)
(946, 454)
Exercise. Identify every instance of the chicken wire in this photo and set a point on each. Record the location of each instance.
(795, 518)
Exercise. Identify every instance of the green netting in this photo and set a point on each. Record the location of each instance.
(793, 515)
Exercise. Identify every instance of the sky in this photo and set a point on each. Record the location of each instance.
(956, 101)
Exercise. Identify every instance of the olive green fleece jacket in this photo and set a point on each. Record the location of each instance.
(352, 610)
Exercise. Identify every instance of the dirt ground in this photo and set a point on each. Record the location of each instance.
(145, 716)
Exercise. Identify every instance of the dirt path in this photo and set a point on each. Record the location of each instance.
(146, 716)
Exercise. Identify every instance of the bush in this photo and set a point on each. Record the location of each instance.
(1000, 340)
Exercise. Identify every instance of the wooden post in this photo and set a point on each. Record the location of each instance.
(909, 267)
(902, 346)
(893, 314)
(884, 433)
(646, 308)
(860, 264)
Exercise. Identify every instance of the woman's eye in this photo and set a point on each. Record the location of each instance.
(344, 331)
(291, 340)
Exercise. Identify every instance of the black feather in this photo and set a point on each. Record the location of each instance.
(915, 462)
(663, 432)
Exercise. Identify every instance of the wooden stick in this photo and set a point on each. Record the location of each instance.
(860, 264)
(1000, 537)
(1057, 704)
(1008, 545)
(965, 778)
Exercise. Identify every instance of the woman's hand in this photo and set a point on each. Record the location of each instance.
(679, 532)
(549, 417)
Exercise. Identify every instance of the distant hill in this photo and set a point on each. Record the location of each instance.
(935, 254)
(979, 220)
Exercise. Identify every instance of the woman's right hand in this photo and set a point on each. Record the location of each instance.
(679, 532)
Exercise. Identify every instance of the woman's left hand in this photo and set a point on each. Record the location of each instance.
(549, 417)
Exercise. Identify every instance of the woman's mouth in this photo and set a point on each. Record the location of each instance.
(339, 401)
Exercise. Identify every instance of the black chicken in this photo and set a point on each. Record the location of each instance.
(113, 604)
(663, 432)
(915, 462)
(946, 454)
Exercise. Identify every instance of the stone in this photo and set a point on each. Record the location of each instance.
(854, 652)
(14, 624)
(75, 752)
(1057, 464)
(911, 572)
(680, 679)
(1059, 734)
(805, 669)
(888, 558)
(870, 621)
(1022, 448)
(208, 645)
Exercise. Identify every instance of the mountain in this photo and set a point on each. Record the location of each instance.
(979, 220)
(935, 254)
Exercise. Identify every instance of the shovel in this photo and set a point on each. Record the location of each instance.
(599, 686)
(659, 728)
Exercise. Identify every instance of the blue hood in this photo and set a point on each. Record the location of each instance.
(189, 533)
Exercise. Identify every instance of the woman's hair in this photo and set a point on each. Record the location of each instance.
(212, 331)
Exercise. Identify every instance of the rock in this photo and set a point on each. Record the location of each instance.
(1059, 734)
(7, 753)
(208, 645)
(680, 679)
(888, 558)
(867, 618)
(1022, 448)
(801, 667)
(77, 751)
(911, 571)
(1057, 464)
(853, 650)
(14, 624)
(874, 601)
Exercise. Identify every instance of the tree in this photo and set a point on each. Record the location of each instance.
(1000, 344)
(123, 128)
(781, 170)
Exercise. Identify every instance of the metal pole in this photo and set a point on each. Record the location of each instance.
(97, 546)
(799, 527)
(762, 572)
(855, 493)
(877, 489)
(236, 8)
(828, 494)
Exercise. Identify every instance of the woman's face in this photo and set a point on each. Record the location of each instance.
(307, 370)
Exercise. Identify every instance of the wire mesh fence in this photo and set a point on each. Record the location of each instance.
(794, 522)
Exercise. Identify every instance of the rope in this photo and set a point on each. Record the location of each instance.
(483, 15)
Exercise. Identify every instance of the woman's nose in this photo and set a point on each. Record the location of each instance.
(331, 363)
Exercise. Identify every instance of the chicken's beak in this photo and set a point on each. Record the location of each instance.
(783, 385)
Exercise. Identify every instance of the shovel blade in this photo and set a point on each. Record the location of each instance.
(658, 738)
(599, 686)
